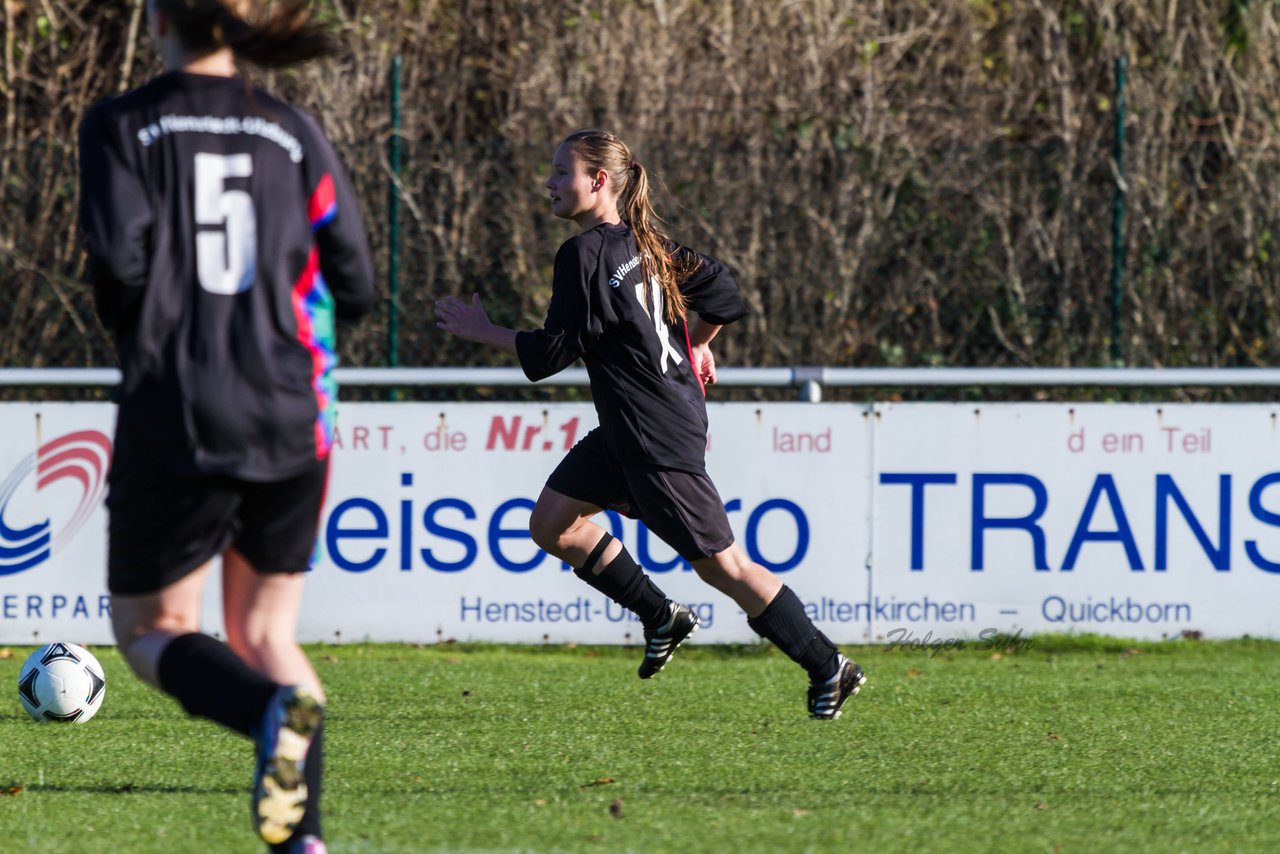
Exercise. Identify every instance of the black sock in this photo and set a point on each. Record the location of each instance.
(788, 627)
(313, 771)
(624, 582)
(211, 681)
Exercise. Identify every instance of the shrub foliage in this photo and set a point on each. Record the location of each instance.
(905, 183)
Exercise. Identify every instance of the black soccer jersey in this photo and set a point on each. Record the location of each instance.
(223, 238)
(649, 399)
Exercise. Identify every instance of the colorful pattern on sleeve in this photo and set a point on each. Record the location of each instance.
(323, 206)
(313, 310)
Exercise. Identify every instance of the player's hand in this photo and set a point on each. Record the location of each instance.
(466, 320)
(704, 364)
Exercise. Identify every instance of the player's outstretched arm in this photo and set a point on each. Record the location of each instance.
(471, 322)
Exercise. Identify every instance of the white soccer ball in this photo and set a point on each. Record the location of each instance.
(61, 682)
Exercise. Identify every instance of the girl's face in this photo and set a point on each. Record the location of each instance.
(577, 194)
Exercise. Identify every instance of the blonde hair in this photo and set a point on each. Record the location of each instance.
(270, 33)
(601, 150)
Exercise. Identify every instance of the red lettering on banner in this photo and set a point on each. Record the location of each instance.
(1198, 442)
(444, 439)
(1124, 443)
(515, 434)
(801, 443)
(361, 437)
(500, 431)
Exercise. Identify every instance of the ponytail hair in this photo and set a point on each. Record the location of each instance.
(269, 34)
(601, 150)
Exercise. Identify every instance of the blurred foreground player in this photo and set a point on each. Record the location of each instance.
(223, 240)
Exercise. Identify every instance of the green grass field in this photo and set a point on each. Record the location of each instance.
(1072, 745)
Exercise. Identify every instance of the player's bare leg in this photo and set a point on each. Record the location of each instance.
(145, 624)
(775, 613)
(562, 527)
(261, 616)
(743, 580)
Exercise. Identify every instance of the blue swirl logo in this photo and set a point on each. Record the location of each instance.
(82, 458)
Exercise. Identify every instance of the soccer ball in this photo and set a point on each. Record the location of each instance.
(61, 682)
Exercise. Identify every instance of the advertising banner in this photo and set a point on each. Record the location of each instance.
(54, 459)
(426, 537)
(1140, 521)
(894, 523)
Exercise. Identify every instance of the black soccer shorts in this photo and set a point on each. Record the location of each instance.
(682, 508)
(163, 527)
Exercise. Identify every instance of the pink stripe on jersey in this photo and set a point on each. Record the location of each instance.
(323, 205)
(304, 289)
(688, 347)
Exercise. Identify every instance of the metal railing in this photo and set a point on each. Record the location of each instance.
(809, 381)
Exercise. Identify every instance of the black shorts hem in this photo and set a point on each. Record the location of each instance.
(682, 508)
(128, 580)
(162, 527)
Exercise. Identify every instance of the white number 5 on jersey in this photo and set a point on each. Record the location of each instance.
(226, 258)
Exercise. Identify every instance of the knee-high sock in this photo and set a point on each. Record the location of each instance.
(785, 624)
(624, 582)
(211, 681)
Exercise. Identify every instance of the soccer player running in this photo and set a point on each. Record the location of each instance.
(223, 238)
(641, 312)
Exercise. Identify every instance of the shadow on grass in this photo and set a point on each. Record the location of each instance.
(114, 716)
(131, 789)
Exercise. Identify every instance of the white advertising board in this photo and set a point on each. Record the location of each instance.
(1140, 521)
(894, 523)
(53, 526)
(426, 533)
